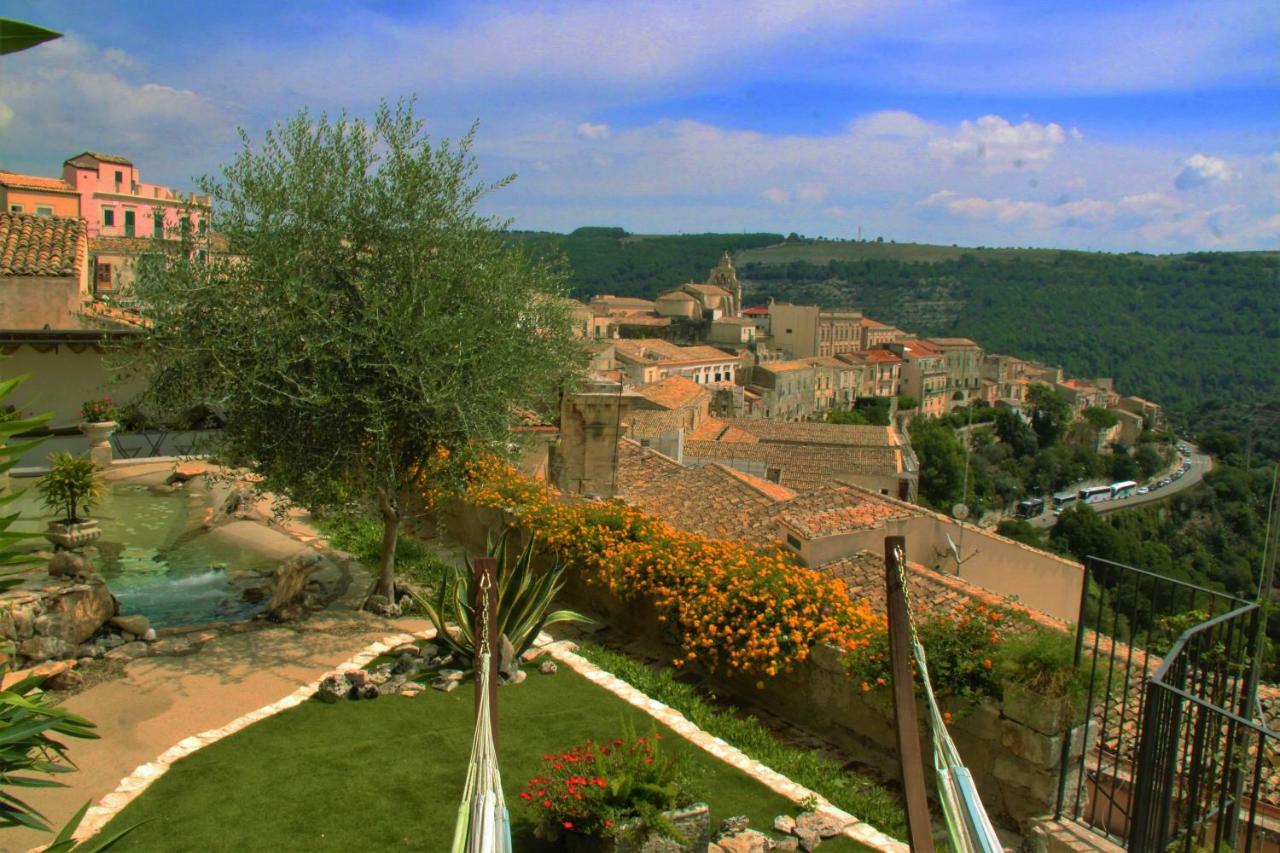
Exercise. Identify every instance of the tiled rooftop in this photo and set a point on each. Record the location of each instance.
(673, 392)
(98, 155)
(801, 466)
(40, 245)
(836, 508)
(34, 182)
(710, 500)
(813, 432)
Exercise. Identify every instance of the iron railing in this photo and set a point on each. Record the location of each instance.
(1204, 763)
(1131, 623)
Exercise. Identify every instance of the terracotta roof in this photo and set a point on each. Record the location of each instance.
(714, 429)
(113, 315)
(954, 343)
(917, 346)
(930, 592)
(801, 466)
(710, 289)
(813, 432)
(711, 500)
(41, 245)
(876, 356)
(674, 392)
(837, 508)
(34, 182)
(655, 351)
(79, 159)
(677, 294)
(756, 311)
(787, 366)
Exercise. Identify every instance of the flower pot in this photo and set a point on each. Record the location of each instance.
(693, 822)
(99, 435)
(72, 536)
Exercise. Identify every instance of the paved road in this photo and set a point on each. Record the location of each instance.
(1201, 463)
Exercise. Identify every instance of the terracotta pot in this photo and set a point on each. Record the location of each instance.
(99, 434)
(72, 536)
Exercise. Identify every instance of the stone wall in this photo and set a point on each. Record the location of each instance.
(1013, 749)
(48, 618)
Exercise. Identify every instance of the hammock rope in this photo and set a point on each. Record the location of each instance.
(483, 825)
(968, 826)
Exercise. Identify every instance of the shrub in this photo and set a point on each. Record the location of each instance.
(733, 607)
(71, 485)
(620, 788)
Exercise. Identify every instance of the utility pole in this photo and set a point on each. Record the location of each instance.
(901, 656)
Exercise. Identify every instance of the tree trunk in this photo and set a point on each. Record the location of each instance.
(390, 530)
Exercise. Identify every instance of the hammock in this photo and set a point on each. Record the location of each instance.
(968, 826)
(483, 825)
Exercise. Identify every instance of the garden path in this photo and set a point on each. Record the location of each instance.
(159, 701)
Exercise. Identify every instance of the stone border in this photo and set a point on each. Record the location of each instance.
(857, 830)
(141, 778)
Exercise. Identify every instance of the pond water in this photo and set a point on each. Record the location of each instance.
(157, 558)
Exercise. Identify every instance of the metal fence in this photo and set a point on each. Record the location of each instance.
(1173, 755)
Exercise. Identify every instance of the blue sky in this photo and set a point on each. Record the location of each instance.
(1149, 126)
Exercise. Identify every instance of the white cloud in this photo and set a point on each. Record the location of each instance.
(993, 145)
(1146, 204)
(777, 195)
(892, 124)
(1201, 169)
(813, 192)
(587, 130)
(1069, 214)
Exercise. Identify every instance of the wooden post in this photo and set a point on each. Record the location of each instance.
(901, 655)
(487, 567)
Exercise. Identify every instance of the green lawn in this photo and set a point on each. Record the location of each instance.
(386, 774)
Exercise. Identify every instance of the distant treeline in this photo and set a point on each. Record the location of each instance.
(609, 260)
(1178, 330)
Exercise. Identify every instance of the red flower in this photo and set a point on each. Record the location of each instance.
(525, 795)
(568, 824)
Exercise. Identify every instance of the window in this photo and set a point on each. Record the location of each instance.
(793, 542)
(128, 223)
(773, 475)
(101, 276)
(119, 179)
(44, 210)
(157, 228)
(108, 217)
(15, 208)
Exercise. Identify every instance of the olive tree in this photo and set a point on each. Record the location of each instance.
(354, 319)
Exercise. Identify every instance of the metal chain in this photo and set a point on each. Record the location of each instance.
(900, 554)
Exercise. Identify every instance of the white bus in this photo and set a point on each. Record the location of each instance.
(1063, 499)
(1123, 489)
(1094, 494)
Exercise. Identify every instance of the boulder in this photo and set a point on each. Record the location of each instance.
(136, 624)
(67, 679)
(77, 611)
(406, 649)
(69, 564)
(412, 688)
(129, 651)
(821, 823)
(785, 824)
(288, 586)
(47, 670)
(547, 667)
(46, 648)
(734, 824)
(358, 678)
(333, 688)
(444, 686)
(369, 691)
(746, 841)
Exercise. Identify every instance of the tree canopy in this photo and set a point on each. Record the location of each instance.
(364, 325)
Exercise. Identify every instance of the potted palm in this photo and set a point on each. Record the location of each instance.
(97, 422)
(70, 488)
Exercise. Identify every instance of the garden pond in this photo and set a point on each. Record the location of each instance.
(157, 557)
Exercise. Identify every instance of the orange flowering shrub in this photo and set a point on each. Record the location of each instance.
(734, 608)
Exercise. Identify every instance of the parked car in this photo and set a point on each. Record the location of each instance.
(1142, 490)
(1166, 481)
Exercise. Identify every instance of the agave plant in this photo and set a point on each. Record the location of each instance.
(524, 598)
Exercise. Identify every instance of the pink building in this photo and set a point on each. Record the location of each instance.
(114, 202)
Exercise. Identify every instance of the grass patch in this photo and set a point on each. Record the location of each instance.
(362, 536)
(386, 774)
(858, 795)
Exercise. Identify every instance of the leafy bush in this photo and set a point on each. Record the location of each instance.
(71, 485)
(854, 793)
(620, 788)
(362, 536)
